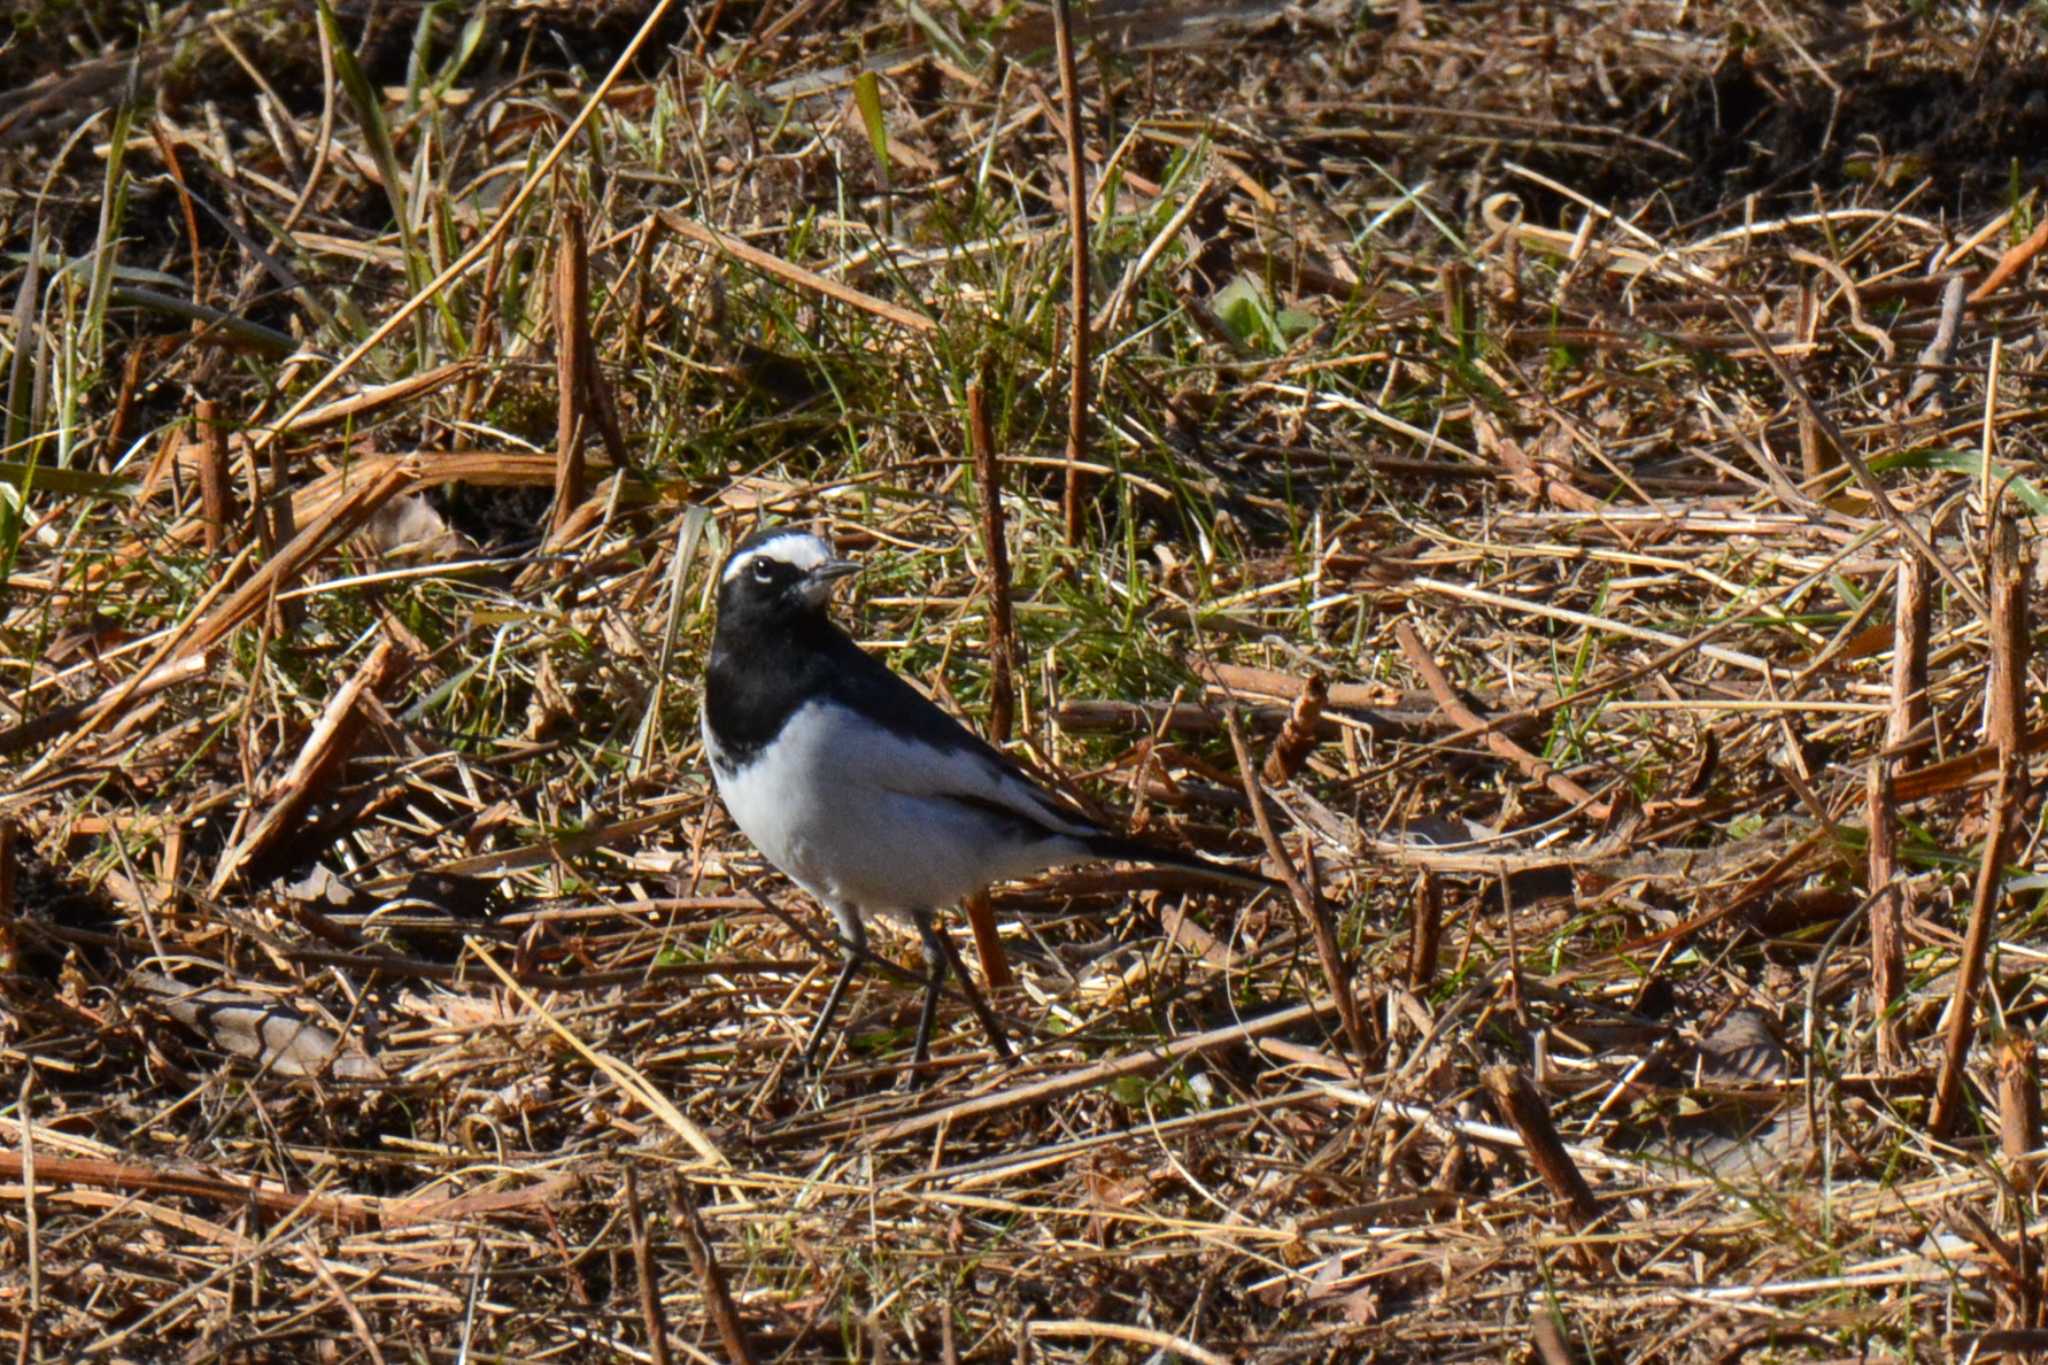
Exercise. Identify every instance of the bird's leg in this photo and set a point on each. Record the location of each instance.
(939, 953)
(934, 978)
(853, 941)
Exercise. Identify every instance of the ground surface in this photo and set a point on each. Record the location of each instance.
(1576, 390)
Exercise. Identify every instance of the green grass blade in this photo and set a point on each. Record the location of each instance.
(20, 402)
(268, 340)
(106, 247)
(79, 483)
(867, 93)
(1970, 462)
(369, 109)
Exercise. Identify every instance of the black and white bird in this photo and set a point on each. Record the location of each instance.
(859, 788)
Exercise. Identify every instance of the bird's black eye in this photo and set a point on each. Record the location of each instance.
(764, 572)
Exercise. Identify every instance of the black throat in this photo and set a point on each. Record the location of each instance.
(763, 672)
(760, 676)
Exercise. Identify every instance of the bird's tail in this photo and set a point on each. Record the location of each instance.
(1115, 847)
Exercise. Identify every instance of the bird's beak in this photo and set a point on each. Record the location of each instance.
(818, 582)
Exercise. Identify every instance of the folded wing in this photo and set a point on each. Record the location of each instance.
(916, 749)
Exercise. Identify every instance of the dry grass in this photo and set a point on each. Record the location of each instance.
(1577, 390)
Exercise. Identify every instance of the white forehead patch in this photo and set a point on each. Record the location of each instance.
(799, 548)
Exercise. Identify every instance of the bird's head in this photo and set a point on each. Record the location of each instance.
(778, 576)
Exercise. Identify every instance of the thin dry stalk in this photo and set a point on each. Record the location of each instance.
(357, 408)
(2005, 704)
(2004, 733)
(344, 1210)
(601, 406)
(1940, 350)
(1887, 929)
(28, 1204)
(217, 506)
(1425, 932)
(1232, 678)
(995, 551)
(1002, 644)
(1909, 701)
(1529, 474)
(718, 1302)
(988, 941)
(2019, 1108)
(327, 747)
(1817, 454)
(643, 1271)
(121, 425)
(279, 528)
(1077, 266)
(1300, 734)
(1093, 715)
(483, 338)
(10, 941)
(168, 152)
(1529, 1116)
(572, 360)
(2011, 263)
(1468, 721)
(1314, 911)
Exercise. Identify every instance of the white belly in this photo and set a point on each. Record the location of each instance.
(844, 814)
